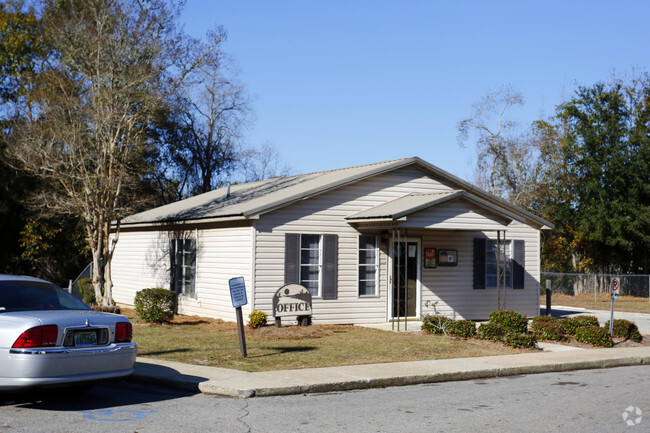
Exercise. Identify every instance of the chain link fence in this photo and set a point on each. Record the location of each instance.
(576, 284)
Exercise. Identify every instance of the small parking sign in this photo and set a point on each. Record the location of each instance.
(615, 288)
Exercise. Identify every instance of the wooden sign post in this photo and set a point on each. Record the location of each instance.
(238, 297)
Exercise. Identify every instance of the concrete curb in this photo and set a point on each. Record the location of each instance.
(240, 384)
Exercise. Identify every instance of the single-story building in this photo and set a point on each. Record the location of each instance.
(371, 244)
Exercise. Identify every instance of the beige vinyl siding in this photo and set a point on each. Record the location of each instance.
(454, 215)
(257, 254)
(452, 286)
(326, 214)
(142, 261)
(222, 254)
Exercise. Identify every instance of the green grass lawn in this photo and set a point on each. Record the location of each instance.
(204, 341)
(201, 341)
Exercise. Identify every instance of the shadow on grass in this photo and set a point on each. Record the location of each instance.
(192, 323)
(282, 350)
(163, 352)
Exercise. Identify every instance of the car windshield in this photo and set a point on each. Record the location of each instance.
(35, 295)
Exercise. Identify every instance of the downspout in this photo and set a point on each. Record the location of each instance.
(253, 266)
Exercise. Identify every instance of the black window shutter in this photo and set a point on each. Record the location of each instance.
(518, 265)
(479, 262)
(191, 291)
(291, 258)
(330, 266)
(172, 265)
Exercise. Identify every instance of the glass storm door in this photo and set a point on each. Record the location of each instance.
(405, 277)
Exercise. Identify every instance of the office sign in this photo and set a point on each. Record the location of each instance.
(292, 300)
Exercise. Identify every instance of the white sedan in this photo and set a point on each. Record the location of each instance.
(49, 337)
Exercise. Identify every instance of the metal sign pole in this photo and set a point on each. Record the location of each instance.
(614, 290)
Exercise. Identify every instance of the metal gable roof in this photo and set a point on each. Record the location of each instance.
(250, 200)
(413, 203)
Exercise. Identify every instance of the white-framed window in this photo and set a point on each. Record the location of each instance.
(311, 260)
(368, 265)
(311, 248)
(504, 258)
(183, 266)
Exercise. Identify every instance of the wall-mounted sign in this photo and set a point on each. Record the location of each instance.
(447, 257)
(292, 300)
(430, 258)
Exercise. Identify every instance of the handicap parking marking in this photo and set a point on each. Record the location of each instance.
(113, 415)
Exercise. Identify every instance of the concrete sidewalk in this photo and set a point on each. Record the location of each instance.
(235, 383)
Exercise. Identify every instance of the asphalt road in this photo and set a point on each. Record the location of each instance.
(579, 401)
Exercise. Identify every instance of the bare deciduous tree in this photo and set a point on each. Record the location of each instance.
(509, 161)
(204, 122)
(109, 64)
(263, 163)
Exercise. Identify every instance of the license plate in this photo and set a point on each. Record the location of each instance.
(87, 338)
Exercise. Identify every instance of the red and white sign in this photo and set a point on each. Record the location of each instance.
(615, 288)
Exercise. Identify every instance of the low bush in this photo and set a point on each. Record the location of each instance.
(594, 335)
(491, 331)
(435, 324)
(155, 305)
(538, 319)
(625, 329)
(462, 328)
(87, 291)
(547, 328)
(513, 322)
(518, 341)
(107, 309)
(571, 324)
(257, 319)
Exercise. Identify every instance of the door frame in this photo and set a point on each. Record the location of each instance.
(418, 280)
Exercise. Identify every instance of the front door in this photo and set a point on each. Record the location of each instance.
(405, 278)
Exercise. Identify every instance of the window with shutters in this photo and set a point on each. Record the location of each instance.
(311, 260)
(368, 265)
(183, 266)
(310, 263)
(495, 256)
(511, 256)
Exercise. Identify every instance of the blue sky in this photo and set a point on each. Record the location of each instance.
(341, 83)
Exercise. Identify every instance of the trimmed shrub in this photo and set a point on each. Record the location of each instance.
(462, 328)
(513, 322)
(520, 341)
(571, 324)
(539, 319)
(491, 331)
(594, 335)
(625, 329)
(435, 324)
(547, 328)
(155, 305)
(87, 291)
(257, 319)
(107, 309)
